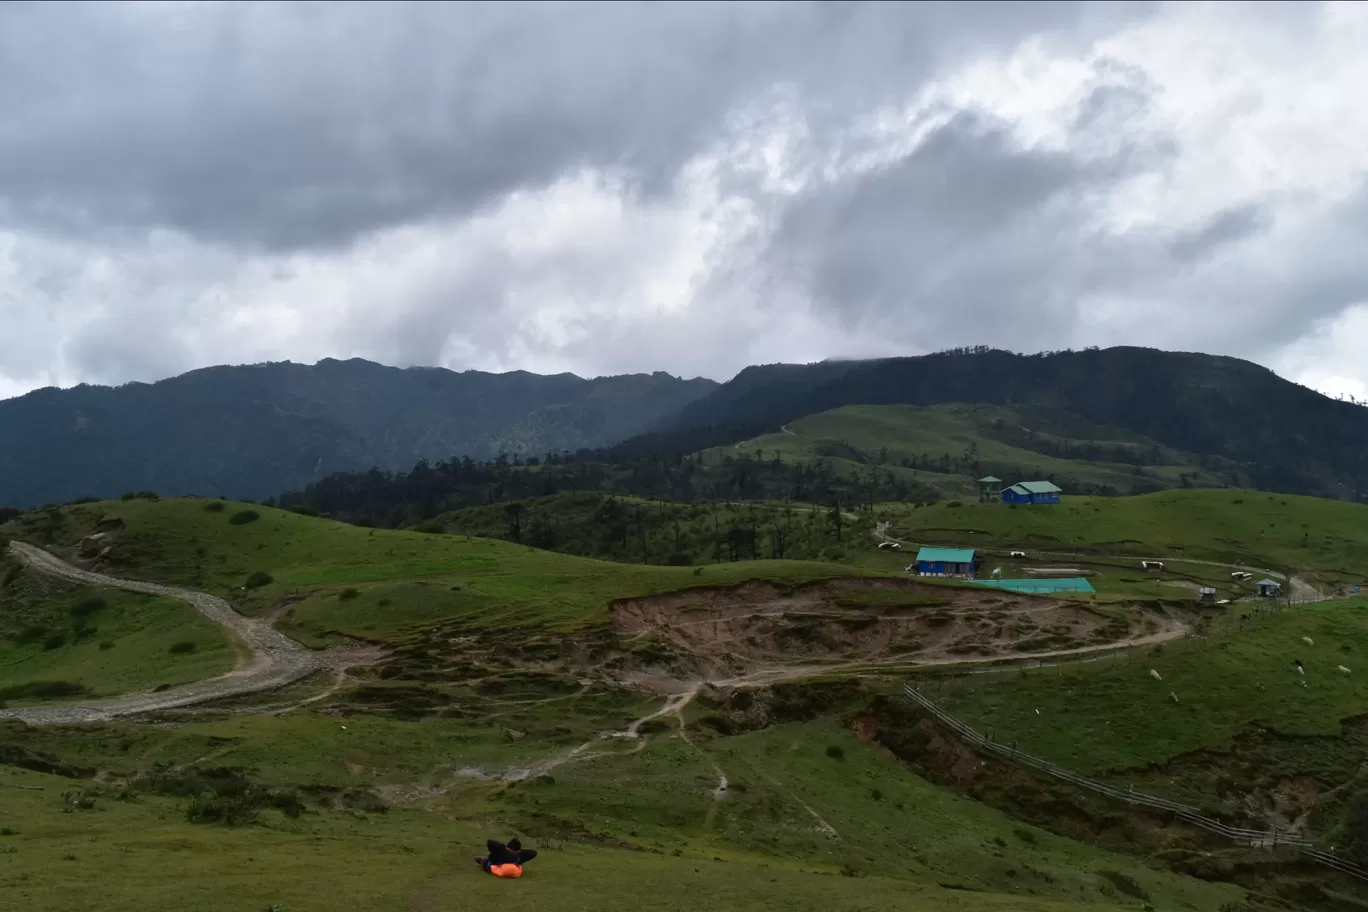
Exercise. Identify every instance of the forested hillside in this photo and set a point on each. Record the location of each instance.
(1284, 436)
(254, 431)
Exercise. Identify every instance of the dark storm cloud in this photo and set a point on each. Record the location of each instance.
(283, 125)
(1223, 228)
(969, 238)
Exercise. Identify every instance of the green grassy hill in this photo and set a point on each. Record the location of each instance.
(1328, 539)
(493, 706)
(255, 555)
(1325, 541)
(63, 640)
(947, 447)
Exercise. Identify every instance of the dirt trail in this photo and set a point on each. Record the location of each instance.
(274, 660)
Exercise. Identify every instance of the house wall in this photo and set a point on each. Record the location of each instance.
(1014, 497)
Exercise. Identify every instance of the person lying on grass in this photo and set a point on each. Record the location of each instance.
(505, 860)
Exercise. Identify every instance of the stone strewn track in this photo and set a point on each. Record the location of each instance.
(276, 659)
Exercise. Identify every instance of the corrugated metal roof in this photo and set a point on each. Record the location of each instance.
(990, 478)
(1036, 487)
(949, 555)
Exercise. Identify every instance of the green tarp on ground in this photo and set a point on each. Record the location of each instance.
(1040, 586)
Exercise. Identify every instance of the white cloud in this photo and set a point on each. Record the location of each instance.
(641, 229)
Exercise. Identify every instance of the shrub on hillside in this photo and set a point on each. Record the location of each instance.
(42, 690)
(243, 517)
(54, 641)
(1125, 884)
(258, 579)
(835, 752)
(1356, 827)
(33, 633)
(184, 647)
(303, 510)
(86, 607)
(214, 506)
(348, 594)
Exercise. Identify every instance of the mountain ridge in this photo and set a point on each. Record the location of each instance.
(255, 430)
(1290, 437)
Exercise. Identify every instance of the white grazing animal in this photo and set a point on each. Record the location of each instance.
(1301, 671)
(1342, 669)
(1154, 674)
(1308, 641)
(1174, 696)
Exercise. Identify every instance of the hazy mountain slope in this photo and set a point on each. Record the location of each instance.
(253, 431)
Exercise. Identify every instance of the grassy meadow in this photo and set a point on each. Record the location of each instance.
(99, 642)
(380, 787)
(947, 447)
(197, 543)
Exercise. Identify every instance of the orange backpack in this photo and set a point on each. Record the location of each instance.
(506, 870)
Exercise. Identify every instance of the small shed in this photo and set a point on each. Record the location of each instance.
(1206, 595)
(1031, 492)
(945, 562)
(990, 489)
(1268, 587)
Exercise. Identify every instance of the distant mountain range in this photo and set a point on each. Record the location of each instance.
(254, 431)
(260, 430)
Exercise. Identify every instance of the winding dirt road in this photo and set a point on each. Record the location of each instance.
(275, 659)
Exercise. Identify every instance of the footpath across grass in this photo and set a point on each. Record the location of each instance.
(937, 854)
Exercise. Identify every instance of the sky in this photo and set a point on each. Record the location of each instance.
(692, 187)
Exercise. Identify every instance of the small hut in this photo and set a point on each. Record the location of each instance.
(1268, 588)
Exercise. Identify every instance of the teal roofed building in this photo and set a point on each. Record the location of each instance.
(945, 562)
(1031, 492)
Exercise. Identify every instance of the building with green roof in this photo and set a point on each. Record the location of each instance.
(945, 562)
(990, 489)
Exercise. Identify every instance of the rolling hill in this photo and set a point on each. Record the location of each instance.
(948, 447)
(728, 734)
(254, 431)
(1283, 436)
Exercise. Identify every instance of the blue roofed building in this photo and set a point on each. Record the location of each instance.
(1031, 492)
(945, 562)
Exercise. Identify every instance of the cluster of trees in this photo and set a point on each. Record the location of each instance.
(610, 527)
(393, 499)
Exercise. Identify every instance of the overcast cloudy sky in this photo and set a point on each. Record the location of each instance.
(691, 187)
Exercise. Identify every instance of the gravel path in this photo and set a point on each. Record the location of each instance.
(276, 659)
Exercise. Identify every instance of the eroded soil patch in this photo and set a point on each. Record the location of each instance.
(739, 630)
